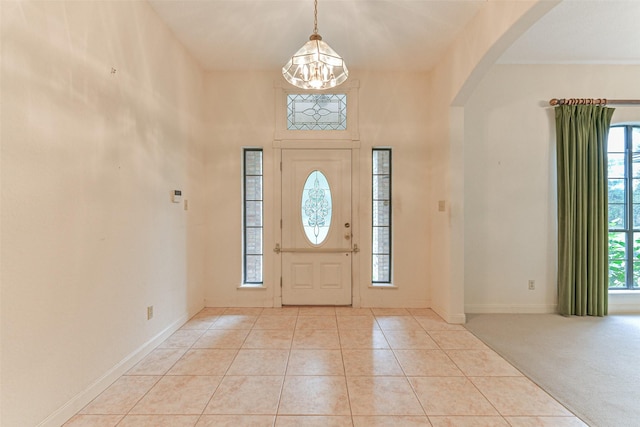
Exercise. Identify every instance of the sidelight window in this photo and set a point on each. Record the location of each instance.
(253, 223)
(381, 216)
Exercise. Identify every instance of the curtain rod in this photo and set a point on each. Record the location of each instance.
(593, 101)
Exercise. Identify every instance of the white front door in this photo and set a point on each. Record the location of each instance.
(316, 227)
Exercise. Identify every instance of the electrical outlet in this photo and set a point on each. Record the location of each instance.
(532, 285)
(150, 312)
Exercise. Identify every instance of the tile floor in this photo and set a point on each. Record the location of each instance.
(322, 366)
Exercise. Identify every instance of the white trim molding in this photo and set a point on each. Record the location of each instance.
(511, 308)
(80, 400)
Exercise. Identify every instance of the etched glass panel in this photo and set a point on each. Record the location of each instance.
(253, 228)
(317, 111)
(253, 266)
(381, 269)
(316, 207)
(381, 216)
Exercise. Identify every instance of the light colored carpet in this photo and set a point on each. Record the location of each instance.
(589, 364)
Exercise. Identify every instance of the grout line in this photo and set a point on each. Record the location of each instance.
(339, 331)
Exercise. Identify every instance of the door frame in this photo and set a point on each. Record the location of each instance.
(354, 147)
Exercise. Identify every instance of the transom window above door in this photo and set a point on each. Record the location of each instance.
(314, 111)
(317, 116)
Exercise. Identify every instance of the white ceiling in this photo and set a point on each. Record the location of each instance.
(391, 34)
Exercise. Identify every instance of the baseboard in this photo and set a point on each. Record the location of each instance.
(624, 308)
(623, 302)
(453, 318)
(80, 400)
(393, 304)
(510, 308)
(456, 319)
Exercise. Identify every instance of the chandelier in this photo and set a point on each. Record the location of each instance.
(315, 65)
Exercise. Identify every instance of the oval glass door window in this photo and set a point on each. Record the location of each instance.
(316, 207)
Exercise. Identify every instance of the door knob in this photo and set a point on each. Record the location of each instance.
(347, 236)
(347, 225)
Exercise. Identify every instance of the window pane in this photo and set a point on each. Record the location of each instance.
(381, 240)
(617, 260)
(253, 188)
(616, 142)
(635, 139)
(381, 187)
(316, 207)
(254, 241)
(381, 162)
(636, 218)
(616, 165)
(616, 191)
(636, 257)
(253, 162)
(254, 269)
(635, 165)
(616, 215)
(381, 269)
(381, 213)
(635, 148)
(253, 214)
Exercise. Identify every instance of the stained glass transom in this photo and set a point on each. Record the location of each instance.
(316, 207)
(317, 111)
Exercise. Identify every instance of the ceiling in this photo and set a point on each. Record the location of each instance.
(391, 34)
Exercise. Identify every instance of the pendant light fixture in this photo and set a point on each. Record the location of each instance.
(315, 65)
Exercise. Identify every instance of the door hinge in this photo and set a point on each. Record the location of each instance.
(281, 224)
(280, 166)
(281, 283)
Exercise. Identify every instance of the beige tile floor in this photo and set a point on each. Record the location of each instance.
(322, 366)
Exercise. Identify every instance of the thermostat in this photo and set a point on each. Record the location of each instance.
(176, 196)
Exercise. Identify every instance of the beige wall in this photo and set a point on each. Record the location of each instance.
(510, 187)
(89, 235)
(482, 41)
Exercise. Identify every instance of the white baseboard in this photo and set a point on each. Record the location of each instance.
(630, 308)
(80, 400)
(510, 308)
(453, 318)
(456, 319)
(623, 302)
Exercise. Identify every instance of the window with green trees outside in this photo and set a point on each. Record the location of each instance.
(623, 154)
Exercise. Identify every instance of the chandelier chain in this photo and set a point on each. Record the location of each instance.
(315, 16)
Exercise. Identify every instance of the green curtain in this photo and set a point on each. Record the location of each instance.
(583, 229)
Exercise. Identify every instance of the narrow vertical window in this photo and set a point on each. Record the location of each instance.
(252, 216)
(381, 216)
